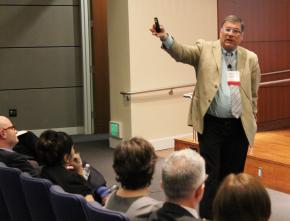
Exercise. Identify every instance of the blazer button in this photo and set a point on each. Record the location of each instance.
(216, 86)
(209, 101)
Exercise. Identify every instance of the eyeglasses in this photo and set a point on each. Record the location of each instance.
(234, 31)
(11, 127)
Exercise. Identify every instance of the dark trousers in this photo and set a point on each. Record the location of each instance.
(224, 146)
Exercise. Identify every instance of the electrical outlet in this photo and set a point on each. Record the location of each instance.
(260, 171)
(12, 112)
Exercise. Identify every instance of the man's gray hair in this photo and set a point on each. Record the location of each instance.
(182, 173)
(234, 19)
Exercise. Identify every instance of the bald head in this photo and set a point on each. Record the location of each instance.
(8, 138)
(4, 121)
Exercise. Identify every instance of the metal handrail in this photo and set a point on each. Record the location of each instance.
(276, 72)
(130, 93)
(267, 83)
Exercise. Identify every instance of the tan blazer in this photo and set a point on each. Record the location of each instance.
(206, 57)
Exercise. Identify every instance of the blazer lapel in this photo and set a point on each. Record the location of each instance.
(241, 63)
(217, 54)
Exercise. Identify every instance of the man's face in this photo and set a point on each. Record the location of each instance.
(8, 132)
(231, 35)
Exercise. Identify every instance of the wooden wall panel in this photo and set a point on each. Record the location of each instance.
(267, 33)
(265, 20)
(273, 55)
(101, 66)
(273, 76)
(276, 98)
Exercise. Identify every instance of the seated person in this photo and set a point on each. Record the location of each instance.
(63, 166)
(27, 143)
(134, 163)
(241, 197)
(8, 140)
(183, 177)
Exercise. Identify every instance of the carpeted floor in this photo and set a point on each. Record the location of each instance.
(95, 149)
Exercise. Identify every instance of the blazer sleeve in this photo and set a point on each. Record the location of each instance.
(22, 162)
(188, 54)
(256, 79)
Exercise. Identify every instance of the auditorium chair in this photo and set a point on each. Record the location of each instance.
(97, 213)
(13, 195)
(67, 206)
(4, 214)
(37, 195)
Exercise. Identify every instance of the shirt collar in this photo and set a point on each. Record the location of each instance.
(225, 52)
(192, 211)
(6, 149)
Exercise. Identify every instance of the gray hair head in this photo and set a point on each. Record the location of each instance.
(234, 19)
(182, 173)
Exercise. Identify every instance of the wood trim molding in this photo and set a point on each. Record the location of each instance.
(274, 125)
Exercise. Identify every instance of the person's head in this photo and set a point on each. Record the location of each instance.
(134, 163)
(241, 197)
(231, 32)
(53, 148)
(8, 132)
(183, 176)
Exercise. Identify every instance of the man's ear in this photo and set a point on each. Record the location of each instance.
(2, 133)
(242, 37)
(199, 192)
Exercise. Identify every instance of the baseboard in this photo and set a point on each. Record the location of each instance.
(167, 142)
(274, 124)
(113, 142)
(159, 144)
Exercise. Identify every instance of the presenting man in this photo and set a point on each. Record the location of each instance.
(224, 102)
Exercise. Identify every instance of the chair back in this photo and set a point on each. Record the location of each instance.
(4, 214)
(37, 195)
(97, 213)
(13, 195)
(67, 206)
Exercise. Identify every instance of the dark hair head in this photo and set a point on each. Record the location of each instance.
(234, 19)
(52, 146)
(134, 163)
(242, 198)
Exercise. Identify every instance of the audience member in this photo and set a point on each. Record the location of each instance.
(134, 164)
(183, 177)
(8, 140)
(27, 144)
(63, 166)
(241, 197)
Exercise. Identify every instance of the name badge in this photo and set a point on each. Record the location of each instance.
(233, 78)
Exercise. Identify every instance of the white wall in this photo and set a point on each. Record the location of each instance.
(155, 116)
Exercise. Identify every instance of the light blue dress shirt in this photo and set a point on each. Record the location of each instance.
(221, 104)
